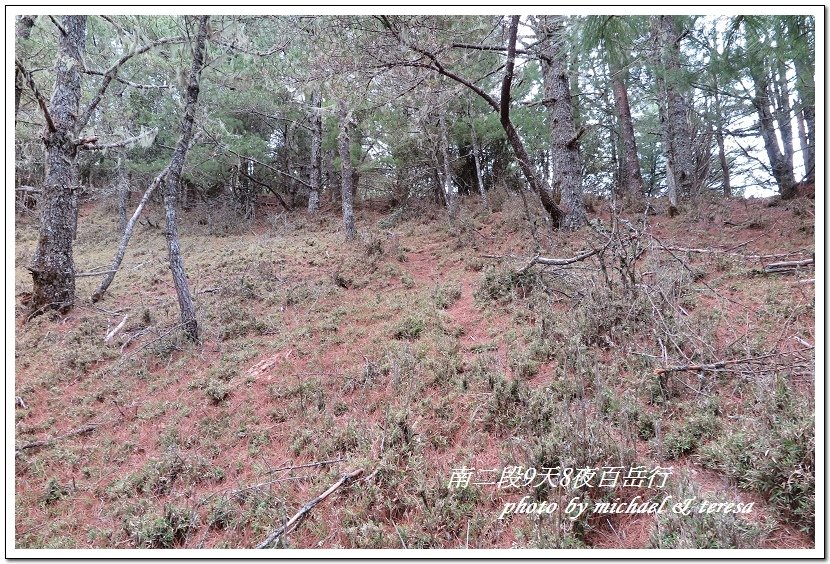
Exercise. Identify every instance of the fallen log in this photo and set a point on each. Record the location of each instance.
(787, 266)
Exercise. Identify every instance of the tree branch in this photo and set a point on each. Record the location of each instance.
(129, 82)
(111, 73)
(724, 363)
(269, 167)
(437, 66)
(90, 143)
(300, 515)
(44, 106)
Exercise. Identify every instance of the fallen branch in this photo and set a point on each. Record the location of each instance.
(562, 262)
(730, 252)
(79, 431)
(724, 363)
(693, 273)
(112, 333)
(309, 465)
(547, 261)
(268, 483)
(94, 273)
(787, 266)
(301, 514)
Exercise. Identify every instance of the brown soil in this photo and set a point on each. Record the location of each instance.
(154, 409)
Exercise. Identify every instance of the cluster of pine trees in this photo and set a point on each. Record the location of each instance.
(309, 109)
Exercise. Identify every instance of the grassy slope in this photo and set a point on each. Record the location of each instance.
(409, 354)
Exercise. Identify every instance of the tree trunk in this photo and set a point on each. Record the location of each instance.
(801, 34)
(245, 192)
(671, 190)
(449, 193)
(315, 173)
(53, 270)
(567, 164)
(677, 136)
(804, 143)
(783, 117)
(782, 169)
(632, 178)
(346, 178)
(480, 180)
(24, 30)
(724, 164)
(125, 238)
(173, 183)
(122, 184)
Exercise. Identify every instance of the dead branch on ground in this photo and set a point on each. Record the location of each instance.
(301, 514)
(46, 442)
(724, 363)
(787, 266)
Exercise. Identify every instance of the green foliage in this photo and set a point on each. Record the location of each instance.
(778, 461)
(409, 328)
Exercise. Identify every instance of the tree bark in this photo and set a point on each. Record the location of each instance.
(315, 173)
(676, 134)
(173, 185)
(52, 268)
(632, 178)
(567, 164)
(346, 176)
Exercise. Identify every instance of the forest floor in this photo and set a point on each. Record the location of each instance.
(417, 350)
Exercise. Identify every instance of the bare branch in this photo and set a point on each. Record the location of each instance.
(724, 363)
(241, 156)
(300, 515)
(110, 74)
(436, 64)
(129, 82)
(91, 143)
(497, 48)
(41, 100)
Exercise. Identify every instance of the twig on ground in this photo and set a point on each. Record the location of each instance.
(309, 465)
(548, 261)
(301, 514)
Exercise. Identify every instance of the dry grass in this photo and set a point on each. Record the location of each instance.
(408, 354)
